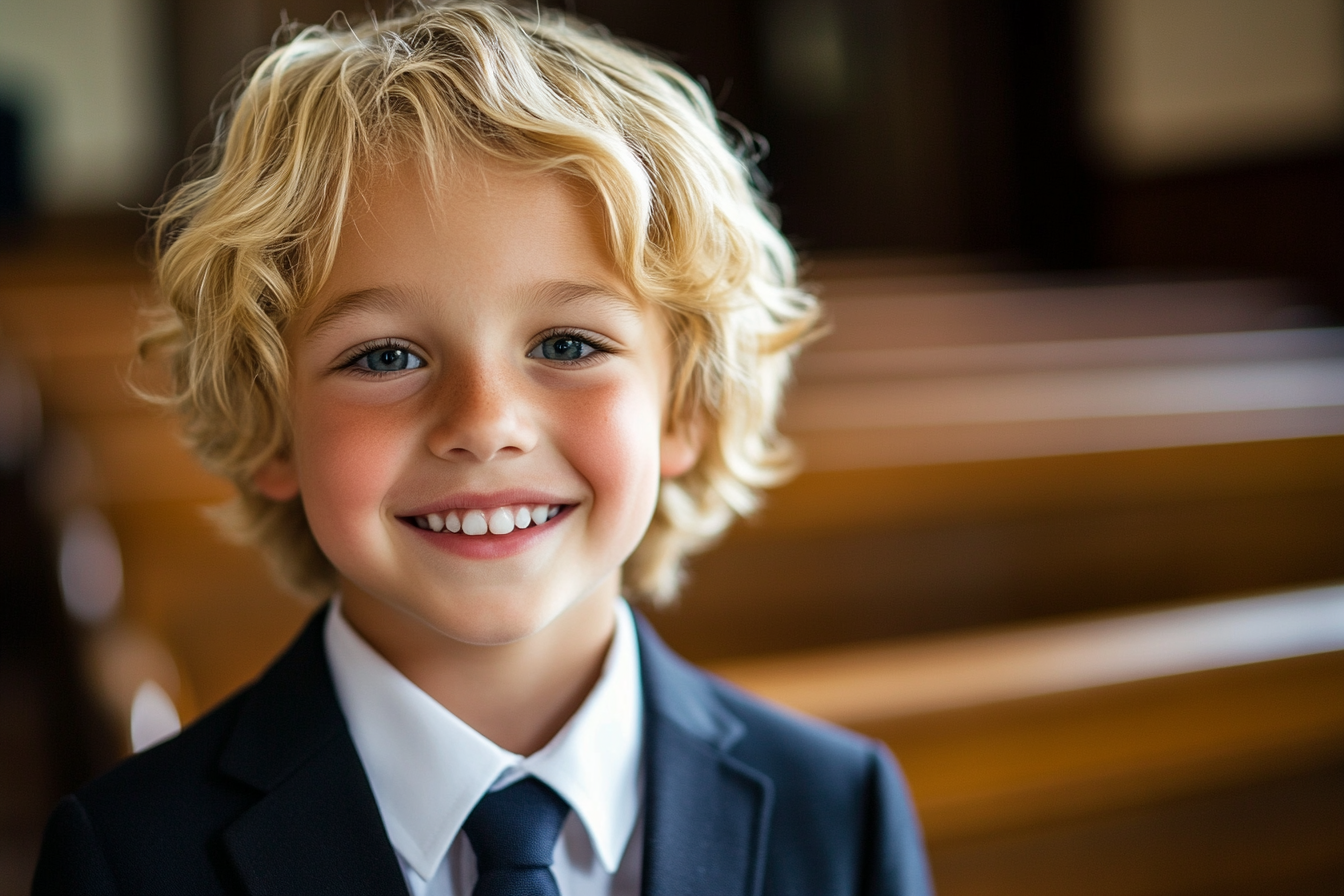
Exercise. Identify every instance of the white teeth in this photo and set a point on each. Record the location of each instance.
(501, 521)
(473, 522)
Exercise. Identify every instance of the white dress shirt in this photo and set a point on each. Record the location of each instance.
(428, 769)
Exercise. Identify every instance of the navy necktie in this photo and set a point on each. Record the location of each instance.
(513, 833)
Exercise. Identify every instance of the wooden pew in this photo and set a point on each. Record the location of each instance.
(1049, 758)
(977, 455)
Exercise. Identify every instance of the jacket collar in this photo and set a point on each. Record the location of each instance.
(316, 828)
(707, 814)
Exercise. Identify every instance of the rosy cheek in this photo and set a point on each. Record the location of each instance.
(348, 457)
(613, 443)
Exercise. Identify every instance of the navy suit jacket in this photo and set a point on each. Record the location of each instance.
(266, 795)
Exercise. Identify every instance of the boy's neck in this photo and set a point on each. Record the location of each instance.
(518, 695)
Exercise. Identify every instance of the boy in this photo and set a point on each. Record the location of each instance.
(488, 326)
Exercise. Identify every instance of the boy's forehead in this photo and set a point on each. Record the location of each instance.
(434, 182)
(417, 200)
(458, 221)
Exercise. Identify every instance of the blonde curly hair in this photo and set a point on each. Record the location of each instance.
(251, 234)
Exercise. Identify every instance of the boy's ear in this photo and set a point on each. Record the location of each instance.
(277, 479)
(680, 447)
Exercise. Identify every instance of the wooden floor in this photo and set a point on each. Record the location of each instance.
(1114, 472)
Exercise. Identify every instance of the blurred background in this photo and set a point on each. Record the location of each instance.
(1071, 530)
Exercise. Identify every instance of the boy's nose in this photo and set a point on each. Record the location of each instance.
(480, 417)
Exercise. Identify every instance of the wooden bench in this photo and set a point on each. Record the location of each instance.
(1018, 742)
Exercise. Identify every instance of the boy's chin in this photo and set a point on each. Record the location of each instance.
(497, 628)
(509, 621)
(481, 620)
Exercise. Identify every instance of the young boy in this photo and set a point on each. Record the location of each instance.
(487, 324)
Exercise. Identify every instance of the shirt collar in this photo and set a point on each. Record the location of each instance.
(428, 768)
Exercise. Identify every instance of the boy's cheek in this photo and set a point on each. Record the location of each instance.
(619, 451)
(346, 460)
(345, 485)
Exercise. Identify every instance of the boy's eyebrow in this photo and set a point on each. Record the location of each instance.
(555, 292)
(374, 298)
(565, 292)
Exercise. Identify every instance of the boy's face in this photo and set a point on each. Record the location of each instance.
(473, 353)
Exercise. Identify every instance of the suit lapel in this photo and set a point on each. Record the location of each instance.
(706, 814)
(316, 829)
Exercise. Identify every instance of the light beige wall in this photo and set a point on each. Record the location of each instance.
(90, 75)
(1181, 83)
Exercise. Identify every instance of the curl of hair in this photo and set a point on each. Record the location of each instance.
(252, 233)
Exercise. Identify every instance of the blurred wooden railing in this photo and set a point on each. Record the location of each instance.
(1033, 730)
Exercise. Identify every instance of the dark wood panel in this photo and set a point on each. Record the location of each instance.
(1279, 218)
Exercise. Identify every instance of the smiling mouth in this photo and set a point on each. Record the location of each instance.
(496, 521)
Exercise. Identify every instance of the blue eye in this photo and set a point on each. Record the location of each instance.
(389, 359)
(565, 347)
